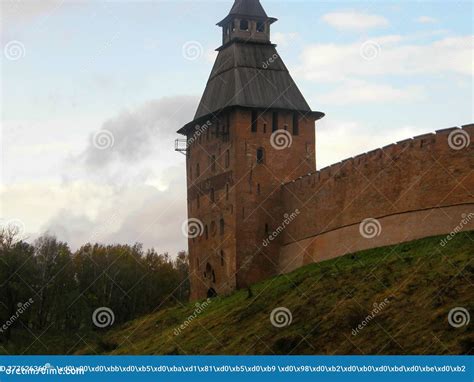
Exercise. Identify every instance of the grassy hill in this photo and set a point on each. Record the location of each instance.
(413, 286)
(419, 281)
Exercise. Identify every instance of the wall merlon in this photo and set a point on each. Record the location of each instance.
(446, 131)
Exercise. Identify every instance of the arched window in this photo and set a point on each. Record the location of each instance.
(260, 155)
(244, 25)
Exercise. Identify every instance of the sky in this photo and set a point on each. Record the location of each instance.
(92, 93)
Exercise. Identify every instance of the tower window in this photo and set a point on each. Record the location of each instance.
(206, 232)
(244, 25)
(221, 226)
(222, 257)
(227, 158)
(264, 128)
(227, 191)
(296, 126)
(198, 201)
(212, 196)
(254, 121)
(267, 230)
(213, 163)
(275, 121)
(198, 171)
(260, 155)
(258, 188)
(260, 26)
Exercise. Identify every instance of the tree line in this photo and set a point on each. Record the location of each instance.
(45, 285)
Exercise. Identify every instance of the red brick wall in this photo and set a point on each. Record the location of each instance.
(403, 186)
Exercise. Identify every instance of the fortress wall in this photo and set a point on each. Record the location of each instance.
(415, 188)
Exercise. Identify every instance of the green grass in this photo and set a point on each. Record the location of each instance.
(421, 281)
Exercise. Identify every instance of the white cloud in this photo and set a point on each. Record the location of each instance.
(352, 20)
(337, 140)
(426, 20)
(284, 39)
(337, 62)
(356, 91)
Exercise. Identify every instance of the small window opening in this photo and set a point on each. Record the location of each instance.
(267, 230)
(227, 191)
(198, 171)
(260, 155)
(213, 163)
(221, 226)
(275, 121)
(227, 158)
(212, 195)
(296, 126)
(244, 25)
(258, 188)
(260, 26)
(264, 128)
(254, 121)
(222, 257)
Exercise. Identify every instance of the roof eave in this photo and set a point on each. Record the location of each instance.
(184, 130)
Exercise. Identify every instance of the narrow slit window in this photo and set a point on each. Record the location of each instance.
(260, 155)
(254, 121)
(296, 125)
(221, 226)
(275, 121)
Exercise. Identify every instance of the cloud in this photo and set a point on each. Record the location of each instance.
(134, 135)
(284, 39)
(356, 91)
(337, 140)
(353, 20)
(426, 20)
(133, 191)
(393, 56)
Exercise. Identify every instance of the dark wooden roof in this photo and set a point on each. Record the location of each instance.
(248, 8)
(244, 76)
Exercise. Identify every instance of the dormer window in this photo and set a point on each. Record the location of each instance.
(244, 25)
(260, 26)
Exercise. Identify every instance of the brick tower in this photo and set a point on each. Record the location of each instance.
(253, 131)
